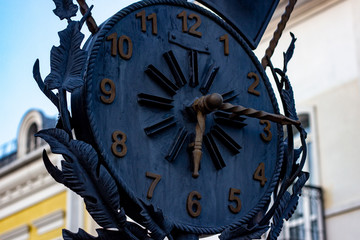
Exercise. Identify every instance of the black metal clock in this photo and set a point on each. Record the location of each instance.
(147, 66)
(181, 118)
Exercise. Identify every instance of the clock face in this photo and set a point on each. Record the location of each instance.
(147, 65)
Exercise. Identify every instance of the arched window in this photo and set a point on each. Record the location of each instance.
(31, 140)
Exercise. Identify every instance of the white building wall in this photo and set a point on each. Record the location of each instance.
(325, 53)
(344, 226)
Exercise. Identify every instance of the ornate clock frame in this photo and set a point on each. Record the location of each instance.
(89, 171)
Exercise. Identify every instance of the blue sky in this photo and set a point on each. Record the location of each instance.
(29, 30)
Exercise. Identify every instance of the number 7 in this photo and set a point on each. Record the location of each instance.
(156, 180)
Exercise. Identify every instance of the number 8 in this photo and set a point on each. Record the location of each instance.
(119, 142)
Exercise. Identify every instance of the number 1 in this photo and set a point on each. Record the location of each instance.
(152, 17)
(225, 39)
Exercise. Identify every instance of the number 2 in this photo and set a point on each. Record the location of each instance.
(256, 82)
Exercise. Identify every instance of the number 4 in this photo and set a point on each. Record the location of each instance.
(259, 174)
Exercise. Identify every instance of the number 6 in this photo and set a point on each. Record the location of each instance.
(193, 206)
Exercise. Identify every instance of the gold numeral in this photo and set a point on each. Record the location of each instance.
(109, 93)
(193, 28)
(197, 24)
(183, 15)
(122, 53)
(256, 82)
(193, 205)
(236, 199)
(266, 135)
(119, 47)
(119, 139)
(152, 17)
(156, 180)
(113, 38)
(225, 39)
(259, 174)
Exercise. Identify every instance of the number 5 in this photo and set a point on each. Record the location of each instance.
(233, 197)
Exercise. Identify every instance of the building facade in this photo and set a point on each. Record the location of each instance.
(32, 205)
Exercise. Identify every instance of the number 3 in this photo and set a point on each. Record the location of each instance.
(267, 135)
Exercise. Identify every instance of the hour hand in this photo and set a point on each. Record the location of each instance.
(203, 106)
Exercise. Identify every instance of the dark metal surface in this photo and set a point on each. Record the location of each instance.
(249, 18)
(136, 151)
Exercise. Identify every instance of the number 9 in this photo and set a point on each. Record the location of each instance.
(109, 94)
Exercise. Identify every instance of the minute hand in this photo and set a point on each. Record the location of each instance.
(250, 112)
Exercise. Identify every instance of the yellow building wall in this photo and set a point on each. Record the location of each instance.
(27, 216)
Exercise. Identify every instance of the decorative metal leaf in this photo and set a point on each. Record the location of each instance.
(244, 233)
(297, 153)
(58, 141)
(104, 234)
(80, 235)
(36, 74)
(79, 174)
(53, 170)
(287, 206)
(138, 231)
(155, 222)
(278, 222)
(290, 51)
(298, 185)
(288, 96)
(67, 60)
(288, 166)
(65, 9)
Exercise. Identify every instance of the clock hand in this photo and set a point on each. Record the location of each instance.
(209, 103)
(202, 106)
(250, 112)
